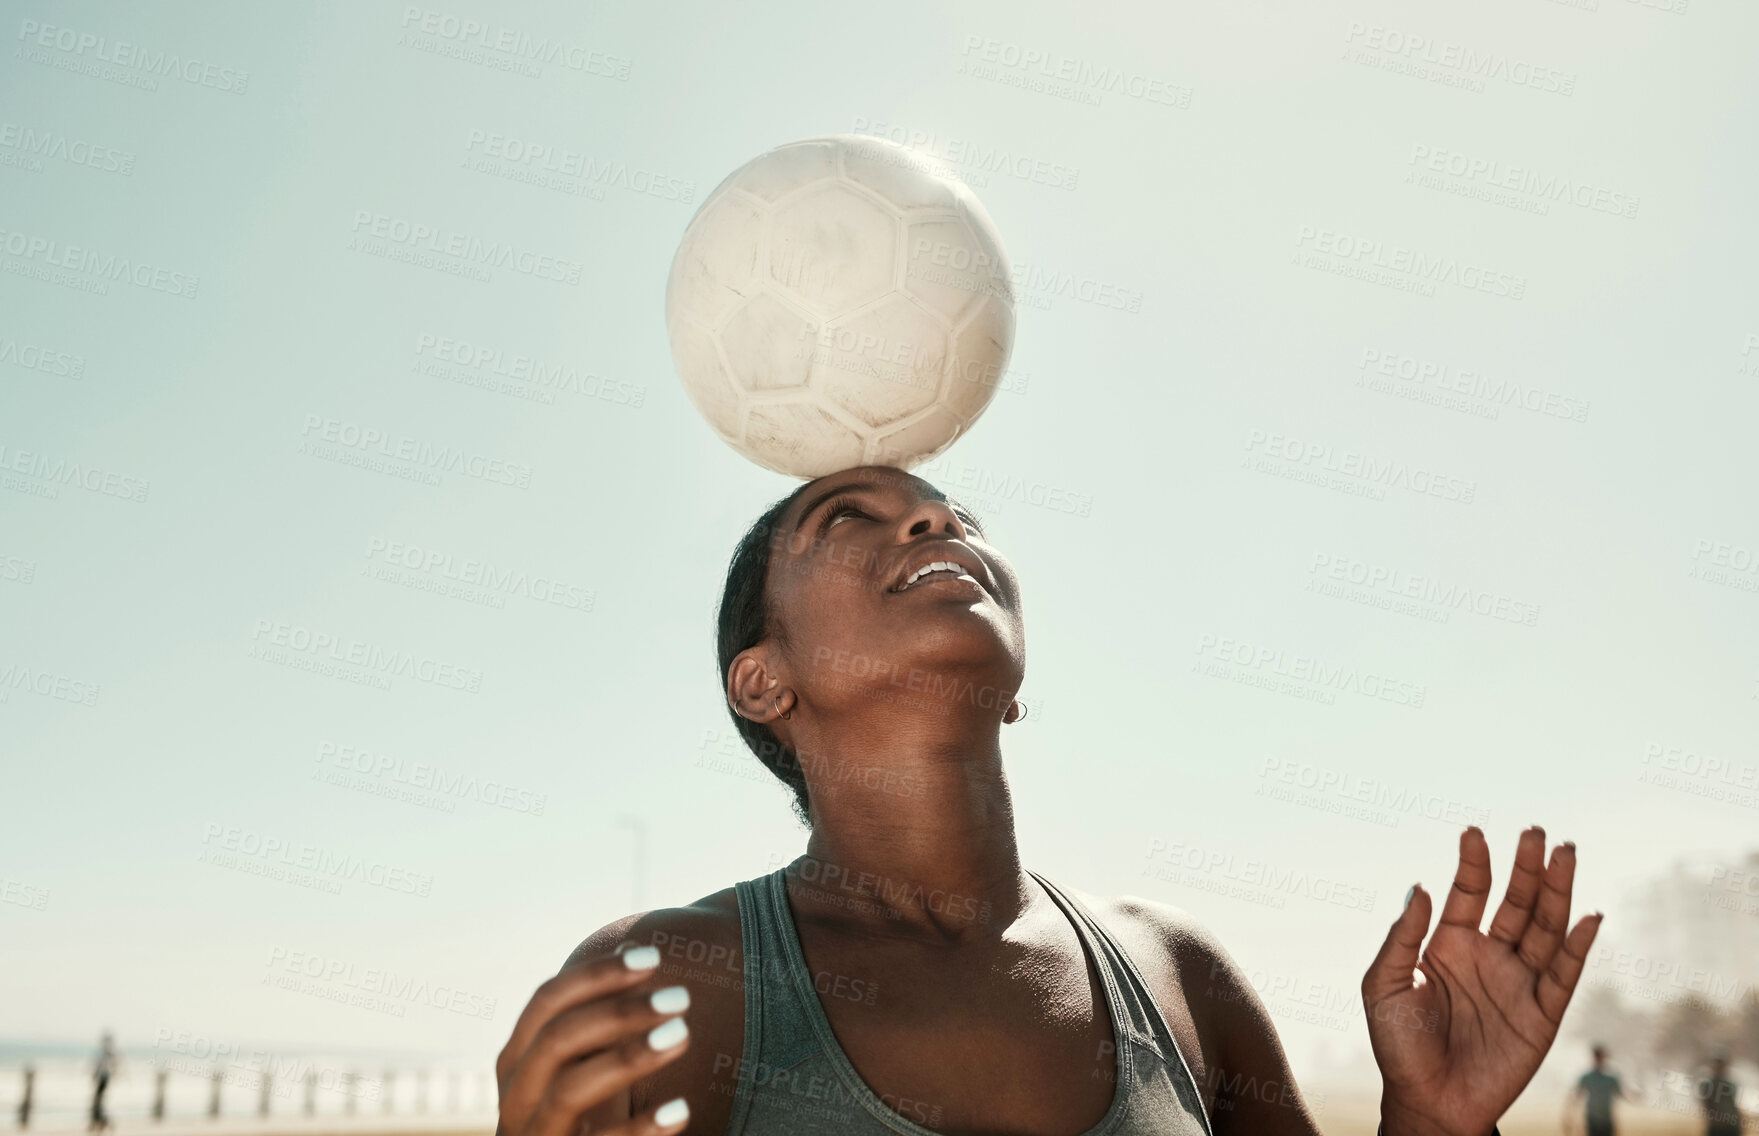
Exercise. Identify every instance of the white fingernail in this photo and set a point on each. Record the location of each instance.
(641, 958)
(664, 1037)
(671, 1000)
(672, 1112)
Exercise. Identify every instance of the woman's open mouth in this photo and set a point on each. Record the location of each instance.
(934, 571)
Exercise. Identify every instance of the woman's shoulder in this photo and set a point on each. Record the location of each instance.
(700, 949)
(1158, 936)
(709, 922)
(1208, 1001)
(1183, 964)
(1197, 984)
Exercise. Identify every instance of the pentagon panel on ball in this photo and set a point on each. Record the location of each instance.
(840, 301)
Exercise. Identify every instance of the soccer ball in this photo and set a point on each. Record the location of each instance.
(840, 301)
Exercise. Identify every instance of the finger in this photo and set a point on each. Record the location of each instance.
(1551, 914)
(1558, 982)
(1471, 890)
(595, 978)
(1391, 971)
(1517, 905)
(582, 1031)
(669, 1117)
(587, 1084)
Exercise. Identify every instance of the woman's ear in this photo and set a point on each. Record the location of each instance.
(754, 693)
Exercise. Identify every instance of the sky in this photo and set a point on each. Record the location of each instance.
(1411, 346)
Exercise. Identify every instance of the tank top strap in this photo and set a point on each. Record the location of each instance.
(1145, 1023)
(779, 1031)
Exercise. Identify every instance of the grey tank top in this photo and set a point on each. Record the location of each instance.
(795, 1080)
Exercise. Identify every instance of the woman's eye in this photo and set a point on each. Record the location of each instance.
(845, 511)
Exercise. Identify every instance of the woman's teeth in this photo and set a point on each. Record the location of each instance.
(937, 566)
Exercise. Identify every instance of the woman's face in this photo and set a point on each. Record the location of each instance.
(862, 610)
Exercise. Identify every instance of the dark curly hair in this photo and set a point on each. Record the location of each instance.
(746, 619)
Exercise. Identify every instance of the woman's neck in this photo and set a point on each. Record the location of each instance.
(913, 833)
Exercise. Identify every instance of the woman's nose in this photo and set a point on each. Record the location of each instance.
(932, 516)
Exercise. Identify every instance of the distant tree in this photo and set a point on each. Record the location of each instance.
(1687, 1028)
(1597, 1013)
(1744, 1041)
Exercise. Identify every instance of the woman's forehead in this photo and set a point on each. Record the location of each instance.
(875, 477)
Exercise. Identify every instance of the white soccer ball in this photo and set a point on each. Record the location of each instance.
(840, 301)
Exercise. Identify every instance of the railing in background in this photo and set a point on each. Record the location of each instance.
(55, 1093)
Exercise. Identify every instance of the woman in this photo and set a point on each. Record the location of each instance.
(907, 975)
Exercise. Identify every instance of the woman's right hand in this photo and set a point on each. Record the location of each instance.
(585, 1037)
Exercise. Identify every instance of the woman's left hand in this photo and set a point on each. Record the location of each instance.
(1456, 1048)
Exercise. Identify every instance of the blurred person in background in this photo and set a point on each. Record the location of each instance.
(25, 1102)
(1601, 1088)
(1722, 1115)
(103, 1068)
